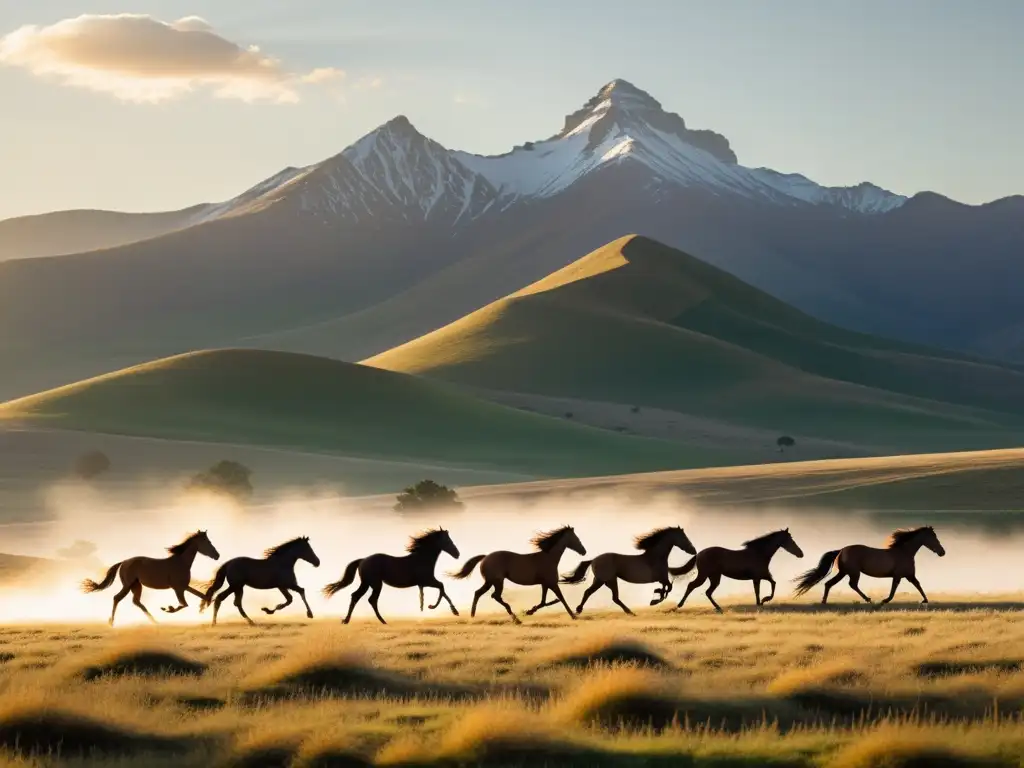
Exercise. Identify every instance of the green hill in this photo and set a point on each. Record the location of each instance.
(638, 322)
(256, 397)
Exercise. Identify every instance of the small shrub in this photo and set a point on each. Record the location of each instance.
(784, 442)
(228, 478)
(90, 465)
(427, 494)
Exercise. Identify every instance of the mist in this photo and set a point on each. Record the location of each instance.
(342, 529)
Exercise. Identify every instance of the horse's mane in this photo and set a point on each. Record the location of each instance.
(649, 541)
(177, 549)
(282, 549)
(760, 541)
(423, 540)
(901, 536)
(546, 540)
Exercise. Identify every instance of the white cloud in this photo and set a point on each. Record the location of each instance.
(140, 58)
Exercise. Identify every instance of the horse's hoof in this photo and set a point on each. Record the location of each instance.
(344, 621)
(309, 614)
(766, 601)
(454, 612)
(267, 611)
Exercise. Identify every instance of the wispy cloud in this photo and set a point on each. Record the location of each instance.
(140, 58)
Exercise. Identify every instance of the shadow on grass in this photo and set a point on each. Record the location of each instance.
(142, 662)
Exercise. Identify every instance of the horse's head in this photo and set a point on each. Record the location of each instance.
(206, 547)
(931, 540)
(679, 539)
(789, 545)
(306, 552)
(572, 541)
(447, 545)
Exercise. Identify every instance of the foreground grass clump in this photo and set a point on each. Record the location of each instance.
(911, 750)
(143, 662)
(598, 650)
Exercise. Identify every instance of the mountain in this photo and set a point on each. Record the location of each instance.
(398, 235)
(258, 398)
(639, 323)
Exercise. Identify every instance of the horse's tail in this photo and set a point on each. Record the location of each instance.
(680, 570)
(211, 587)
(578, 575)
(88, 585)
(467, 569)
(809, 578)
(346, 578)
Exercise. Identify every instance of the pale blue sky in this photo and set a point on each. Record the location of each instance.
(909, 94)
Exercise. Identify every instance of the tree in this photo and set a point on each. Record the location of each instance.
(91, 464)
(228, 478)
(785, 442)
(427, 494)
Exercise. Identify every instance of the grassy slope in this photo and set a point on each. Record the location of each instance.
(638, 322)
(298, 401)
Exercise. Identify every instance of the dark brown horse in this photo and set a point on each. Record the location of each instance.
(895, 561)
(748, 564)
(416, 569)
(646, 568)
(276, 570)
(540, 567)
(174, 572)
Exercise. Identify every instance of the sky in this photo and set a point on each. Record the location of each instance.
(189, 101)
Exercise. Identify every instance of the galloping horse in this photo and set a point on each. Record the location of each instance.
(414, 570)
(896, 561)
(275, 571)
(540, 567)
(174, 572)
(748, 564)
(650, 566)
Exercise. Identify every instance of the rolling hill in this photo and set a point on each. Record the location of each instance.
(640, 323)
(259, 398)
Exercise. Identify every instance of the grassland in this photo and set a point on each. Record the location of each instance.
(777, 687)
(284, 400)
(642, 324)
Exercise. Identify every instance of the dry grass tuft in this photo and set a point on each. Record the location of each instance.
(142, 662)
(796, 681)
(37, 729)
(600, 650)
(953, 667)
(902, 750)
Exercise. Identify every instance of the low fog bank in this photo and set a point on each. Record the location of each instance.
(342, 529)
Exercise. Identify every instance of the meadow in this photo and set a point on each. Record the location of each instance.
(789, 685)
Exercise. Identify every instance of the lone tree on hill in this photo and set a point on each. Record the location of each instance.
(228, 478)
(427, 494)
(785, 442)
(91, 464)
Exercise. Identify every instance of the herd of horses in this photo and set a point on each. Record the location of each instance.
(276, 570)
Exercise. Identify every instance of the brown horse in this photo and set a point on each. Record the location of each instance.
(174, 572)
(414, 570)
(276, 570)
(646, 568)
(748, 564)
(540, 567)
(895, 561)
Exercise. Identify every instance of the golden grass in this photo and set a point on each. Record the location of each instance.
(776, 688)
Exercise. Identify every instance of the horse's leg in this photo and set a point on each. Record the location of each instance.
(701, 578)
(613, 585)
(757, 592)
(238, 604)
(195, 592)
(714, 580)
(180, 594)
(831, 583)
(496, 596)
(661, 593)
(137, 599)
(285, 604)
(374, 596)
(477, 595)
(356, 597)
(561, 599)
(421, 598)
(855, 585)
(892, 592)
(917, 585)
(302, 594)
(770, 597)
(220, 599)
(541, 604)
(594, 586)
(117, 599)
(443, 594)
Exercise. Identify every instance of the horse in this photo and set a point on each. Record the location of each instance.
(416, 569)
(748, 564)
(275, 571)
(650, 566)
(540, 567)
(174, 572)
(895, 561)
